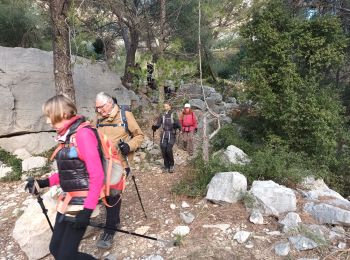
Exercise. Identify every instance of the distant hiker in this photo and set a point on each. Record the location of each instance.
(189, 126)
(170, 123)
(150, 79)
(117, 123)
(80, 172)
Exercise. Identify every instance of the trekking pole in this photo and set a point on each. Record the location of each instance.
(41, 202)
(128, 171)
(101, 226)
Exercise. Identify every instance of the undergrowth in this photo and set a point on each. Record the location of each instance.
(13, 162)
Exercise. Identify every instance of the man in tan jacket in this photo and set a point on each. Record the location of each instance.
(110, 122)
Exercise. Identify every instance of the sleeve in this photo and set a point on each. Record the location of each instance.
(135, 130)
(159, 121)
(88, 148)
(54, 179)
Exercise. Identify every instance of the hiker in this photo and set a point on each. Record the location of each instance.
(170, 123)
(189, 126)
(80, 171)
(117, 123)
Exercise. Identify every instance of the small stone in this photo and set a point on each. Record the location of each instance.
(256, 217)
(181, 230)
(241, 236)
(342, 245)
(302, 243)
(173, 206)
(222, 227)
(273, 233)
(282, 249)
(142, 230)
(184, 204)
(187, 217)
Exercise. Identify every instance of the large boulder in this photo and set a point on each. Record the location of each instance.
(227, 187)
(272, 198)
(32, 231)
(27, 81)
(330, 212)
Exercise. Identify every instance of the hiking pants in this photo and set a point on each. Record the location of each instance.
(166, 145)
(65, 241)
(113, 213)
(187, 139)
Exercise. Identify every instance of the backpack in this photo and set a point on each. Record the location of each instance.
(112, 166)
(122, 110)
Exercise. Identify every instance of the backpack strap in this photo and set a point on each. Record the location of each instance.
(122, 110)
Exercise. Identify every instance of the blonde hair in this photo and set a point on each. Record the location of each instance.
(58, 108)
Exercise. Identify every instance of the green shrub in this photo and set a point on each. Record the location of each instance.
(230, 135)
(12, 161)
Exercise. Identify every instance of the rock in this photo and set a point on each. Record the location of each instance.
(33, 143)
(273, 233)
(256, 217)
(172, 206)
(187, 217)
(110, 257)
(142, 230)
(22, 153)
(342, 245)
(153, 257)
(336, 233)
(197, 103)
(227, 187)
(241, 236)
(310, 183)
(4, 170)
(319, 231)
(328, 214)
(222, 227)
(27, 75)
(32, 231)
(302, 243)
(184, 204)
(290, 221)
(272, 198)
(33, 163)
(282, 249)
(235, 155)
(181, 230)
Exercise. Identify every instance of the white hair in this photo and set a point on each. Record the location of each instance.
(104, 97)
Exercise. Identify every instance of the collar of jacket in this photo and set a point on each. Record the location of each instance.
(113, 114)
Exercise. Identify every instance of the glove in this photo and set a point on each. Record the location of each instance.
(82, 220)
(154, 128)
(195, 130)
(124, 148)
(31, 188)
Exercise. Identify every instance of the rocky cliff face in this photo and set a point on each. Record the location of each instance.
(26, 82)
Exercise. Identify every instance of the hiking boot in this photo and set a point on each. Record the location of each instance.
(171, 169)
(105, 240)
(165, 169)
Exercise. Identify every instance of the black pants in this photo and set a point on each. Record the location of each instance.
(113, 213)
(166, 145)
(65, 241)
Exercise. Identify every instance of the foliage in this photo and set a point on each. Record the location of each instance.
(292, 78)
(13, 162)
(23, 24)
(230, 135)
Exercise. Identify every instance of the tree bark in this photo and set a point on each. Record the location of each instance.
(131, 42)
(61, 48)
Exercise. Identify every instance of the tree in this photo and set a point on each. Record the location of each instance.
(290, 66)
(61, 48)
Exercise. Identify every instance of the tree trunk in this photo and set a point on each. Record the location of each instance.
(61, 48)
(160, 50)
(205, 140)
(131, 42)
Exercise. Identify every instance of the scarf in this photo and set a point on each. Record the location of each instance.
(63, 131)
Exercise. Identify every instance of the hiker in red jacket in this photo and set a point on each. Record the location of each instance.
(189, 126)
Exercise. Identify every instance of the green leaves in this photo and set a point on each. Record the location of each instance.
(290, 66)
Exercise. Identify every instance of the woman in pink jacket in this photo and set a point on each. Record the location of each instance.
(189, 126)
(80, 174)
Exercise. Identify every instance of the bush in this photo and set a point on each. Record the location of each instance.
(12, 161)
